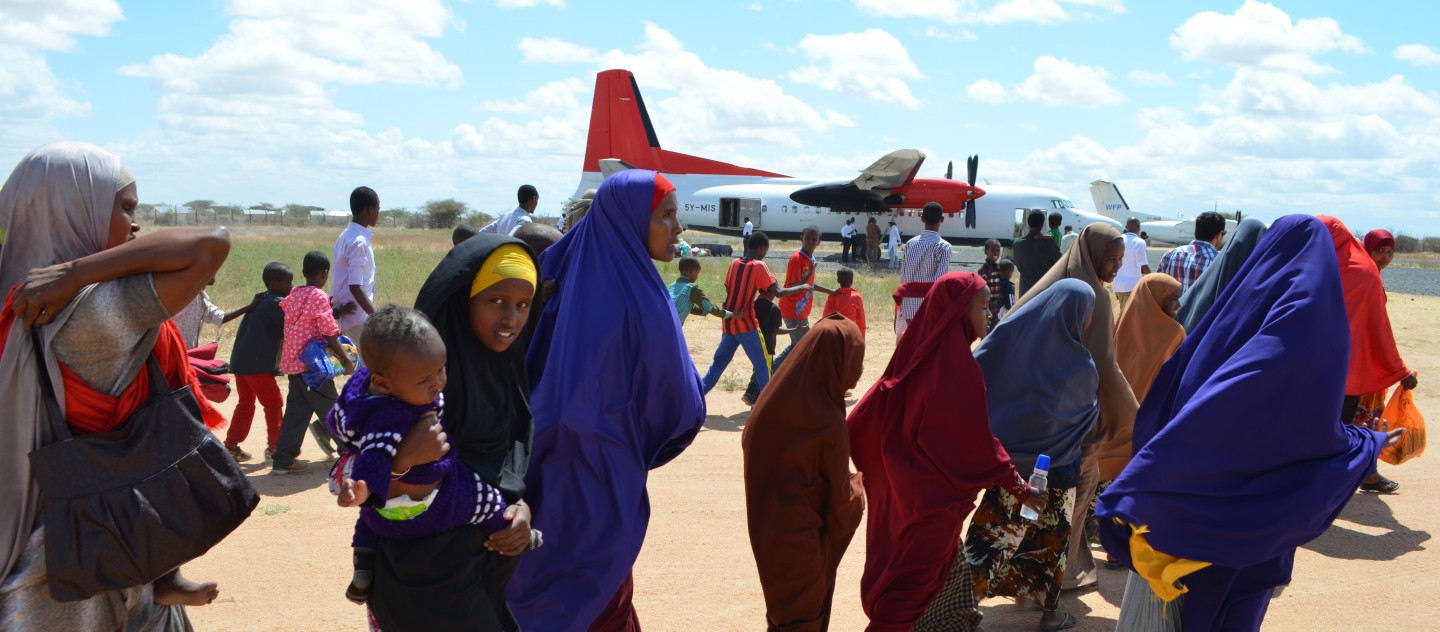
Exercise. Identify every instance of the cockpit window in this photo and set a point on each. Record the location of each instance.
(1062, 204)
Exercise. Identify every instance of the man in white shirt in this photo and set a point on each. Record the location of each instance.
(745, 237)
(927, 257)
(1068, 239)
(847, 239)
(352, 268)
(894, 246)
(1134, 265)
(506, 224)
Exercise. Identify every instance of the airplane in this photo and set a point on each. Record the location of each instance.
(719, 197)
(1168, 230)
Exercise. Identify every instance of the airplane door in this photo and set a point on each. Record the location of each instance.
(1021, 228)
(751, 208)
(734, 211)
(729, 213)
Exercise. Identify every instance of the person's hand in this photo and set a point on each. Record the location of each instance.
(1393, 437)
(424, 442)
(857, 485)
(349, 365)
(45, 293)
(353, 493)
(255, 302)
(347, 309)
(514, 539)
(1410, 381)
(1037, 501)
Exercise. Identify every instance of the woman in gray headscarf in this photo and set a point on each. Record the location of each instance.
(101, 299)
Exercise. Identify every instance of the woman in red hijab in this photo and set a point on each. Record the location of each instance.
(1375, 362)
(802, 503)
(921, 438)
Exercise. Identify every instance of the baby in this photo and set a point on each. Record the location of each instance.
(401, 383)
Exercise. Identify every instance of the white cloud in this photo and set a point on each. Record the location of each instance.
(1264, 93)
(1418, 54)
(1054, 82)
(954, 35)
(1150, 78)
(554, 51)
(870, 65)
(271, 71)
(1262, 36)
(713, 108)
(555, 96)
(1161, 116)
(520, 4)
(29, 89)
(989, 13)
(987, 91)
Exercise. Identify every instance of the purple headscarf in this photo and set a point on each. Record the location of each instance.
(1240, 454)
(615, 395)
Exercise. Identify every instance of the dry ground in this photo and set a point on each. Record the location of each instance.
(285, 568)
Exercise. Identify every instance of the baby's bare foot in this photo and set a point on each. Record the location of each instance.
(174, 590)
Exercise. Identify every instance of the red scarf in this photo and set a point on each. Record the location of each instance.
(922, 438)
(90, 411)
(1375, 362)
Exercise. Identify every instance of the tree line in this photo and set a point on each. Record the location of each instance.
(440, 214)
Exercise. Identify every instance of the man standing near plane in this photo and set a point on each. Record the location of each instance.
(872, 242)
(1134, 265)
(927, 257)
(1035, 253)
(894, 246)
(745, 233)
(506, 224)
(1185, 263)
(847, 240)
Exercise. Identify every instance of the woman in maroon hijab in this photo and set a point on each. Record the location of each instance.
(801, 500)
(921, 437)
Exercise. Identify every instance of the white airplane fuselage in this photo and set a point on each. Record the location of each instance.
(721, 204)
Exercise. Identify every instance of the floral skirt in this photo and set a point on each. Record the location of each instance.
(1010, 556)
(955, 609)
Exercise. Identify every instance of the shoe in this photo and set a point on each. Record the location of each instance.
(748, 399)
(296, 467)
(269, 454)
(239, 455)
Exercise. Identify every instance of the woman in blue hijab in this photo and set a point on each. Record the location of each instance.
(1196, 301)
(1237, 462)
(615, 395)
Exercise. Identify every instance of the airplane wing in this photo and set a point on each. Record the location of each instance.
(895, 169)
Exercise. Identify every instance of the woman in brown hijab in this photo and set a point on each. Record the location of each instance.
(1148, 334)
(802, 502)
(1095, 259)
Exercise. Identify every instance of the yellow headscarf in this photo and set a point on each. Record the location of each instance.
(509, 261)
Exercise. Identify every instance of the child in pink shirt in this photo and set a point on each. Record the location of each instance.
(308, 316)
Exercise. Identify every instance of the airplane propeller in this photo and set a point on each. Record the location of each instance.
(950, 170)
(972, 165)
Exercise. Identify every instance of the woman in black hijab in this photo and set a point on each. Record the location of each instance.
(456, 580)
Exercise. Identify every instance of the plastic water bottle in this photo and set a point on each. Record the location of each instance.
(1038, 480)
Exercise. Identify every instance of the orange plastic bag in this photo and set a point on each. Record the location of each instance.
(1402, 413)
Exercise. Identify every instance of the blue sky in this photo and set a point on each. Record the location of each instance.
(1269, 108)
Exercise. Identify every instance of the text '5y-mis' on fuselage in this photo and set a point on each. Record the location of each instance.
(718, 197)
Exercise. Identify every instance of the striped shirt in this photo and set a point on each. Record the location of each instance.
(745, 279)
(1187, 262)
(927, 257)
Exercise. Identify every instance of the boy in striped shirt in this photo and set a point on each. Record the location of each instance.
(746, 279)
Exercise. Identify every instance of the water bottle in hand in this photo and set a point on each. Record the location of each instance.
(1038, 480)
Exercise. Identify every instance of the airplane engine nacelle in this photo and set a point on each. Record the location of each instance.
(840, 198)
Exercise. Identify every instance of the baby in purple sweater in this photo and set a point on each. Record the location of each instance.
(401, 382)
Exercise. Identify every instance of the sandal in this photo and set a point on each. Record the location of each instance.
(1382, 486)
(1067, 621)
(239, 455)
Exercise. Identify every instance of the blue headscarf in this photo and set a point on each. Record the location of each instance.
(1040, 380)
(1196, 301)
(1240, 454)
(615, 394)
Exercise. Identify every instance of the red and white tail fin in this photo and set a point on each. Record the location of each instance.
(620, 128)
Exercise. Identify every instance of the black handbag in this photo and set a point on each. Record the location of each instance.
(124, 507)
